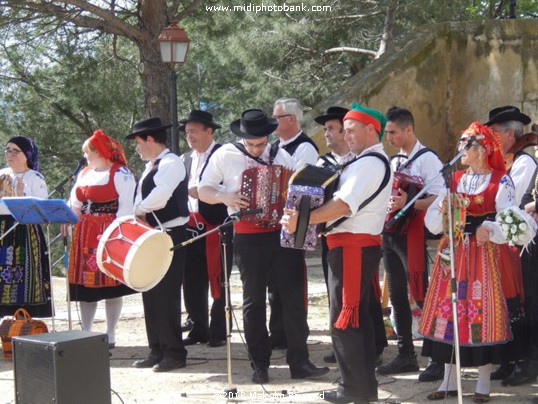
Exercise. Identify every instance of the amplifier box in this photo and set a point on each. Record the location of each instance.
(62, 368)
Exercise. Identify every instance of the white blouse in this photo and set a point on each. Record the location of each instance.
(34, 185)
(473, 184)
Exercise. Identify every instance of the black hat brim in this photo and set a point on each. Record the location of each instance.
(267, 130)
(147, 131)
(328, 117)
(184, 123)
(509, 116)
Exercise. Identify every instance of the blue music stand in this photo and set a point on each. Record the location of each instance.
(28, 210)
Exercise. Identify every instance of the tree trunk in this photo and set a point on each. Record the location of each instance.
(155, 76)
(386, 38)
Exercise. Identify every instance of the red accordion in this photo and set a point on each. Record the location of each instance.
(411, 185)
(266, 186)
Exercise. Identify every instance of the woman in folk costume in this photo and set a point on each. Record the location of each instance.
(24, 264)
(487, 270)
(103, 191)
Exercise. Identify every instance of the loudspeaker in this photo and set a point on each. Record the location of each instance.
(62, 368)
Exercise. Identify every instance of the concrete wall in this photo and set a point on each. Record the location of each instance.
(448, 75)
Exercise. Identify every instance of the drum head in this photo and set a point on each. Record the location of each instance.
(148, 263)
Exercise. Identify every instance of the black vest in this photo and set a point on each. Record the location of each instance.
(302, 138)
(216, 213)
(175, 207)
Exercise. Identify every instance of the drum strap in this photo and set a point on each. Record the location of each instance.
(383, 184)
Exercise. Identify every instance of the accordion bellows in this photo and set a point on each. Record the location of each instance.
(309, 188)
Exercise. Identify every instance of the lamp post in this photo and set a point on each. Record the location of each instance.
(174, 44)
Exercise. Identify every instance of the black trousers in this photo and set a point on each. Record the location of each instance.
(529, 269)
(195, 290)
(395, 261)
(376, 311)
(260, 258)
(354, 348)
(162, 306)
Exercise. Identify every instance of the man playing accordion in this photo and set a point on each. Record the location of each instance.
(354, 252)
(257, 250)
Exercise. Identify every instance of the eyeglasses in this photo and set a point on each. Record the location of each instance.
(462, 143)
(256, 146)
(13, 152)
(281, 116)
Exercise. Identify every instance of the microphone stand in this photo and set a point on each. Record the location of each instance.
(225, 230)
(446, 172)
(60, 190)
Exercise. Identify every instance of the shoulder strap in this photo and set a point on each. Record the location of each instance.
(328, 160)
(273, 152)
(243, 150)
(217, 146)
(382, 186)
(416, 156)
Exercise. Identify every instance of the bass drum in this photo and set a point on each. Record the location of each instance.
(134, 253)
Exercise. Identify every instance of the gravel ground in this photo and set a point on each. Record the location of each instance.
(206, 379)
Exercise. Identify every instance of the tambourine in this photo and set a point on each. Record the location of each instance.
(6, 185)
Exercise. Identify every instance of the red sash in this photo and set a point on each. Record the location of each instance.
(351, 273)
(212, 253)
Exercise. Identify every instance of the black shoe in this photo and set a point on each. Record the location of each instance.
(194, 341)
(168, 364)
(307, 371)
(331, 358)
(400, 364)
(148, 362)
(187, 325)
(214, 343)
(335, 396)
(260, 376)
(434, 371)
(519, 377)
(502, 372)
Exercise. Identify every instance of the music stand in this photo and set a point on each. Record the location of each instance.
(28, 210)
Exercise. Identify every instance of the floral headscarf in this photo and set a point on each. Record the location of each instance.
(107, 147)
(491, 142)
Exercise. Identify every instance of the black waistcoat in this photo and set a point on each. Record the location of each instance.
(175, 207)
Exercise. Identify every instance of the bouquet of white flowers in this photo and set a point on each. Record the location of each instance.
(517, 226)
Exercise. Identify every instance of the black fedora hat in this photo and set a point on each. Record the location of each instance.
(253, 124)
(332, 113)
(197, 115)
(147, 127)
(507, 113)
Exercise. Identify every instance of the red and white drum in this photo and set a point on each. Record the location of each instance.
(134, 253)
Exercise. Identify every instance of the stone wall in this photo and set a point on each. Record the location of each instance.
(448, 75)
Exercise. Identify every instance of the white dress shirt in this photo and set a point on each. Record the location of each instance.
(198, 161)
(304, 154)
(228, 163)
(426, 167)
(358, 182)
(170, 173)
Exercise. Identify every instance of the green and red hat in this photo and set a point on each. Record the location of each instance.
(368, 116)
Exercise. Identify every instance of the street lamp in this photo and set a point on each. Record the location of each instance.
(174, 44)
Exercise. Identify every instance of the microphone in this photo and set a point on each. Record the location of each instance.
(242, 213)
(81, 164)
(476, 137)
